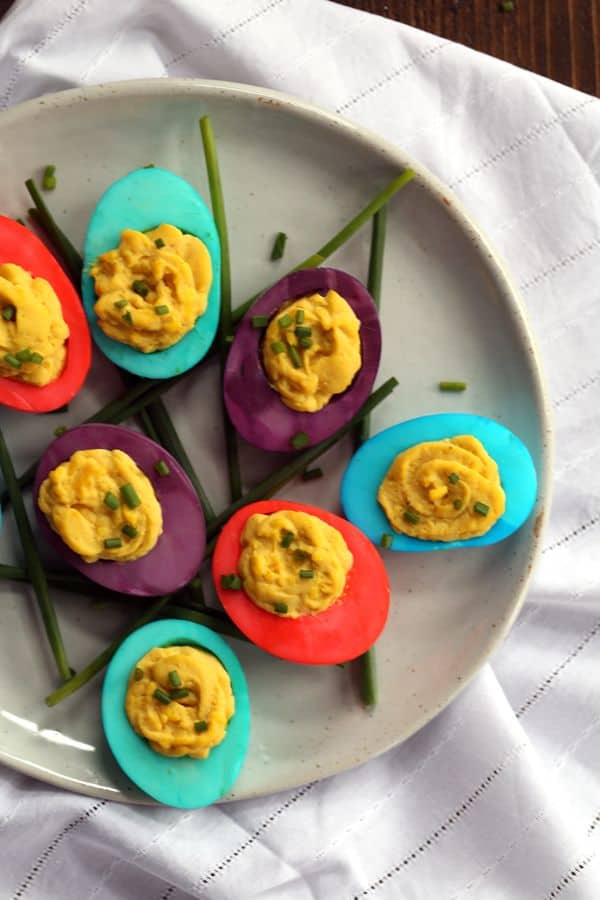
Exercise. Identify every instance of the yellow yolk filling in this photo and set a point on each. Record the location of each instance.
(74, 500)
(445, 490)
(312, 368)
(36, 325)
(152, 287)
(292, 563)
(191, 723)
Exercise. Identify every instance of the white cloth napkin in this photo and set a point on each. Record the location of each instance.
(499, 797)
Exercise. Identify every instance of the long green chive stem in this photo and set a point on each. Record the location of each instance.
(147, 424)
(366, 662)
(374, 279)
(69, 255)
(341, 237)
(193, 598)
(368, 678)
(34, 563)
(312, 474)
(65, 581)
(268, 486)
(221, 626)
(225, 320)
(103, 659)
(170, 440)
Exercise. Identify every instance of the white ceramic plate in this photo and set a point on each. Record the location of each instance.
(449, 312)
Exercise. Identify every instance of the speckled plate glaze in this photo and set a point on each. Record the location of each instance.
(449, 311)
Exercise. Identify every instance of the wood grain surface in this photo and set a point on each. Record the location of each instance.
(556, 38)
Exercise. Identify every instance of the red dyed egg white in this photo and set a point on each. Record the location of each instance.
(344, 631)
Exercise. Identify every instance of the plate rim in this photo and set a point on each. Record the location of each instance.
(510, 296)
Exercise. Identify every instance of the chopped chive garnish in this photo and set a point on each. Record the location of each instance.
(386, 541)
(179, 693)
(200, 726)
(229, 339)
(303, 331)
(161, 468)
(23, 355)
(120, 304)
(129, 530)
(294, 356)
(506, 6)
(127, 318)
(260, 321)
(60, 430)
(411, 516)
(175, 678)
(299, 440)
(49, 179)
(138, 674)
(129, 495)
(36, 358)
(8, 313)
(280, 607)
(452, 385)
(159, 243)
(306, 573)
(161, 310)
(111, 500)
(299, 316)
(457, 503)
(311, 474)
(301, 555)
(481, 508)
(453, 478)
(279, 246)
(278, 347)
(305, 342)
(285, 321)
(113, 543)
(140, 287)
(162, 696)
(231, 582)
(12, 361)
(286, 539)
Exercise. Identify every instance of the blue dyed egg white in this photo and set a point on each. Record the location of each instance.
(183, 782)
(369, 465)
(142, 200)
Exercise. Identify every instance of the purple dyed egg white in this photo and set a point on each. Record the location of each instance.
(178, 553)
(255, 407)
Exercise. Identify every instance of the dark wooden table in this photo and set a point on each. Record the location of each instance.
(556, 38)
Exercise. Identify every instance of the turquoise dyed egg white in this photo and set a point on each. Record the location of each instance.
(181, 782)
(369, 465)
(142, 200)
